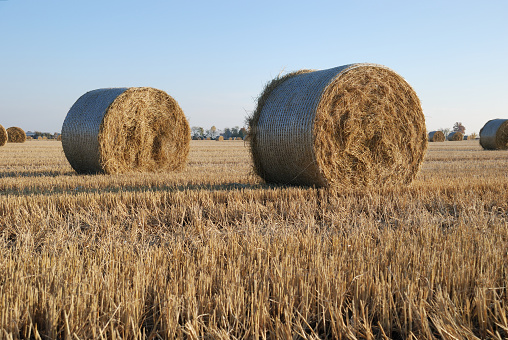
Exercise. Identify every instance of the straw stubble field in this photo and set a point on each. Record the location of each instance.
(213, 253)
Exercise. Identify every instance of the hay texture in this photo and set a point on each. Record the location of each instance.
(436, 136)
(16, 135)
(354, 125)
(494, 135)
(455, 136)
(3, 136)
(118, 130)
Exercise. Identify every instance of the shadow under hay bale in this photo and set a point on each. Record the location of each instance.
(16, 135)
(3, 136)
(436, 136)
(494, 135)
(455, 136)
(354, 125)
(119, 130)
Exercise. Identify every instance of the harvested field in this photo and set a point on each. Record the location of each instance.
(212, 252)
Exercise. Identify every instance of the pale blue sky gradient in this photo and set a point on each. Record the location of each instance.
(214, 57)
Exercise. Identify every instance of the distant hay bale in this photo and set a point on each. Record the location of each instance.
(220, 138)
(16, 135)
(455, 136)
(117, 130)
(3, 136)
(436, 136)
(354, 125)
(494, 135)
(59, 138)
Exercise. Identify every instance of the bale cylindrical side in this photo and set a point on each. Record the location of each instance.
(354, 125)
(494, 135)
(3, 136)
(118, 130)
(436, 136)
(455, 136)
(16, 135)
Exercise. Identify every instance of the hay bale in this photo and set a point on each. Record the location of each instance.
(220, 138)
(455, 136)
(16, 135)
(436, 136)
(118, 130)
(3, 136)
(354, 125)
(494, 135)
(59, 138)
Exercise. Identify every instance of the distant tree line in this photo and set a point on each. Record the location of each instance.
(198, 132)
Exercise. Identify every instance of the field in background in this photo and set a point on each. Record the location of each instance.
(212, 252)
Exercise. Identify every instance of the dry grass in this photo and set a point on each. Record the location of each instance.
(16, 135)
(213, 253)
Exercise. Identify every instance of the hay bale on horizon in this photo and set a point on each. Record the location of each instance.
(436, 136)
(118, 130)
(353, 125)
(219, 139)
(3, 136)
(455, 136)
(16, 135)
(494, 135)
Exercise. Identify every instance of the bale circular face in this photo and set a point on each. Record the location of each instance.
(3, 136)
(126, 129)
(436, 136)
(16, 135)
(494, 135)
(354, 125)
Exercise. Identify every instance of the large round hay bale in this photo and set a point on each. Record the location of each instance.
(436, 136)
(455, 136)
(353, 125)
(494, 135)
(118, 130)
(16, 135)
(3, 136)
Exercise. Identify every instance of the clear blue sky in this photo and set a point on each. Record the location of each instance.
(214, 57)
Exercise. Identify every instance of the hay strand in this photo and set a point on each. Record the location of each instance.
(354, 125)
(436, 136)
(455, 136)
(16, 135)
(119, 130)
(3, 136)
(494, 135)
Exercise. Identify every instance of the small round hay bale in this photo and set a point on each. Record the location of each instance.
(455, 136)
(59, 138)
(436, 136)
(219, 139)
(16, 135)
(3, 136)
(494, 135)
(117, 130)
(353, 125)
